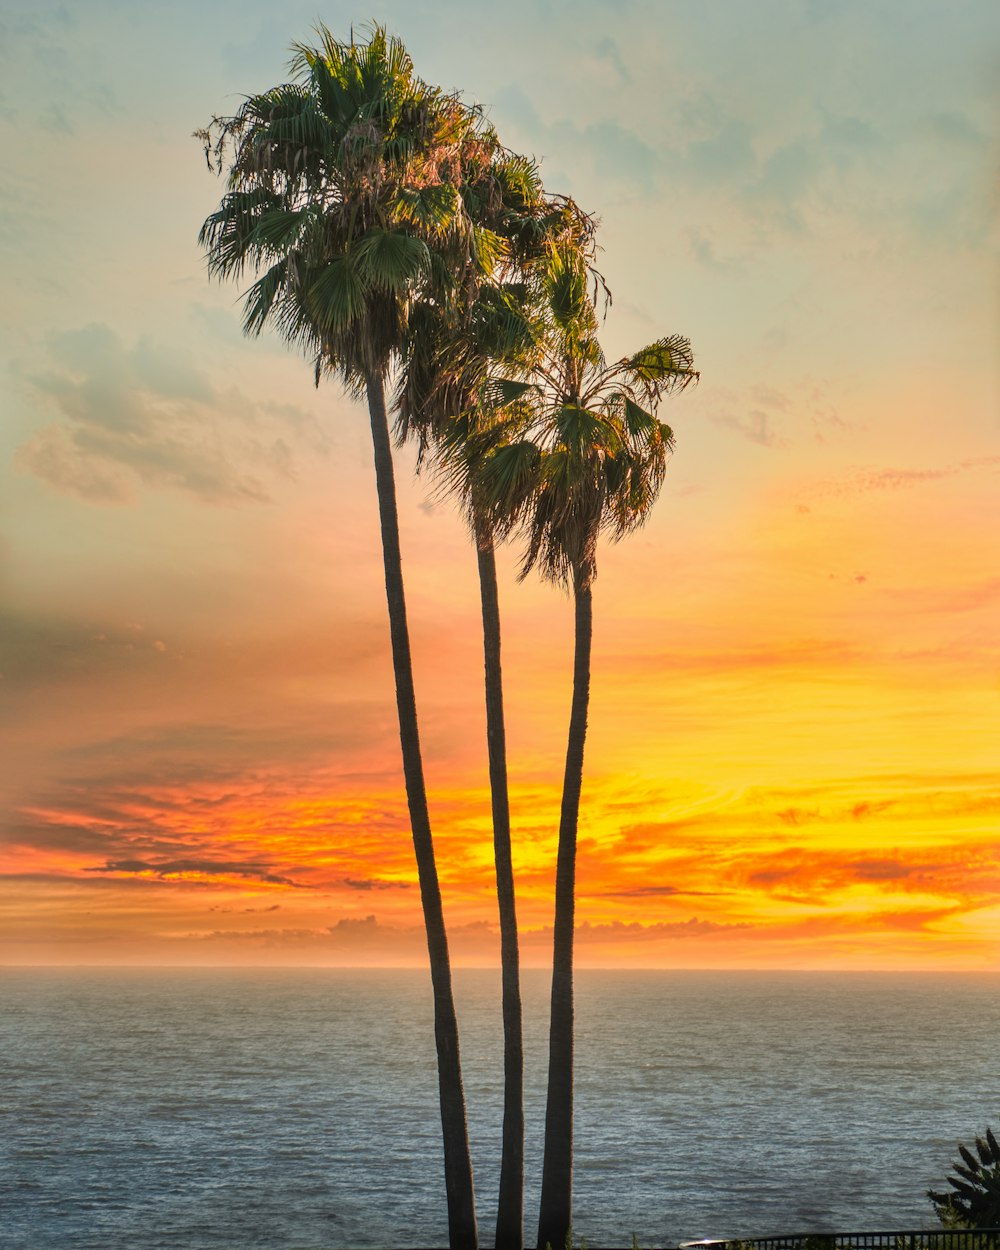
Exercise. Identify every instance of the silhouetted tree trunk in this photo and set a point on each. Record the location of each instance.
(510, 1212)
(555, 1217)
(462, 1230)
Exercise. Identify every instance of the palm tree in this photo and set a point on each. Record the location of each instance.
(595, 464)
(442, 402)
(451, 401)
(347, 195)
(436, 402)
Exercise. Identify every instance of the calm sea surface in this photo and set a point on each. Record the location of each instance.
(296, 1110)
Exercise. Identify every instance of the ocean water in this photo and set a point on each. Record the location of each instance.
(289, 1109)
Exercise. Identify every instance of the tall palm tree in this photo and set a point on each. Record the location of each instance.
(456, 434)
(346, 196)
(595, 464)
(459, 396)
(440, 399)
(452, 400)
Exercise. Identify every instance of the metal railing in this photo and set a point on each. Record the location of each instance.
(906, 1239)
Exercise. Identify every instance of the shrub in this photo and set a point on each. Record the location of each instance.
(975, 1200)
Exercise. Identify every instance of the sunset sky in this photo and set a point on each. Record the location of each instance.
(794, 752)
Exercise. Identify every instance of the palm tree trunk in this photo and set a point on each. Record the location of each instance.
(555, 1217)
(462, 1231)
(510, 1210)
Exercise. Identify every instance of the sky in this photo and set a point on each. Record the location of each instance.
(793, 749)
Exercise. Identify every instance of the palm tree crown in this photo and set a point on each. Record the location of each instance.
(592, 456)
(351, 189)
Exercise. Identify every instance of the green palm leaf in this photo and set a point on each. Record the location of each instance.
(432, 208)
(568, 292)
(228, 234)
(662, 368)
(289, 124)
(520, 182)
(390, 260)
(278, 230)
(489, 248)
(638, 421)
(507, 481)
(337, 297)
(259, 301)
(326, 74)
(501, 327)
(500, 392)
(581, 430)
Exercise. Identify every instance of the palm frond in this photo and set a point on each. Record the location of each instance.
(391, 260)
(227, 235)
(519, 180)
(432, 207)
(506, 483)
(259, 301)
(568, 291)
(500, 392)
(489, 249)
(322, 68)
(277, 231)
(584, 431)
(984, 1151)
(638, 421)
(662, 368)
(336, 297)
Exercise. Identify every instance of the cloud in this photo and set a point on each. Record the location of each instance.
(609, 52)
(186, 869)
(796, 815)
(862, 481)
(704, 248)
(969, 598)
(967, 875)
(726, 153)
(864, 809)
(44, 650)
(915, 920)
(755, 425)
(372, 883)
(370, 936)
(607, 149)
(245, 911)
(882, 869)
(144, 416)
(848, 137)
(792, 654)
(777, 844)
(617, 930)
(644, 891)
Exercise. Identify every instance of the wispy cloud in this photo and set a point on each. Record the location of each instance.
(141, 416)
(187, 870)
(756, 425)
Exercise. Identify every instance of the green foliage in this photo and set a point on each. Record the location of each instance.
(347, 201)
(975, 1198)
(664, 366)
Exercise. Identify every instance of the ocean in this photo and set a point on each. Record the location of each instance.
(294, 1109)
